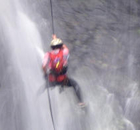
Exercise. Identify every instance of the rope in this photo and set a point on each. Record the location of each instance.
(48, 80)
(52, 16)
(50, 104)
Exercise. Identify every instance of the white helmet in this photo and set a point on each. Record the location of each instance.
(56, 42)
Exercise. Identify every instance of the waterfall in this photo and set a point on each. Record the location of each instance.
(21, 108)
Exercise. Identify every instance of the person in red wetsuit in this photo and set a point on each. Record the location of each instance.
(55, 65)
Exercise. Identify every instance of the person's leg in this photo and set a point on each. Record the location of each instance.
(51, 79)
(52, 84)
(72, 83)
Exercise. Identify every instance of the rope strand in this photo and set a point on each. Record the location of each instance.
(50, 104)
(48, 80)
(52, 16)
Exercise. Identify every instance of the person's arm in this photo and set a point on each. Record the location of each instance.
(45, 62)
(65, 54)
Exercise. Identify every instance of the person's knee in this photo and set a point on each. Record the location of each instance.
(72, 81)
(74, 84)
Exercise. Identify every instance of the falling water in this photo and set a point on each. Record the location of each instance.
(21, 108)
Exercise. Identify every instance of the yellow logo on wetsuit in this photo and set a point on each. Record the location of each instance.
(57, 64)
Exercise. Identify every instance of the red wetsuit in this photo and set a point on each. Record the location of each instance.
(62, 78)
(47, 63)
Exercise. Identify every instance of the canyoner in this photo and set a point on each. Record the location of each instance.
(55, 66)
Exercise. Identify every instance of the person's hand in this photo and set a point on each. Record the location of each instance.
(44, 69)
(54, 36)
(48, 71)
(65, 64)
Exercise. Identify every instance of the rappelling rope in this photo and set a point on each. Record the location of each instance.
(47, 76)
(52, 16)
(50, 106)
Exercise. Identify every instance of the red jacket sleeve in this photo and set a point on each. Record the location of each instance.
(65, 54)
(65, 50)
(45, 61)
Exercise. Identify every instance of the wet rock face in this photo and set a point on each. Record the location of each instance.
(103, 35)
(91, 26)
(97, 31)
